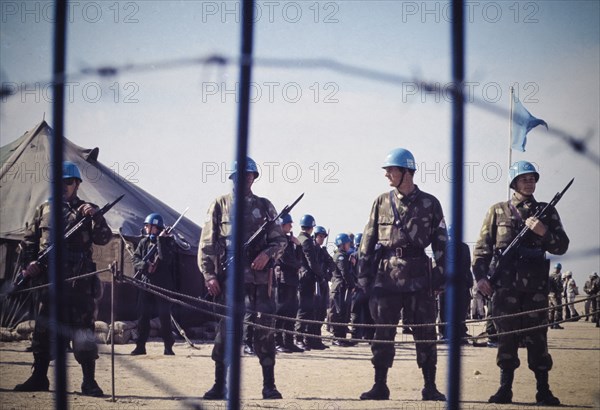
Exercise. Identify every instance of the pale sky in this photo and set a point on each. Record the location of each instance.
(314, 130)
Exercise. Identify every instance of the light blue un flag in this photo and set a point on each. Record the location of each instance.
(522, 123)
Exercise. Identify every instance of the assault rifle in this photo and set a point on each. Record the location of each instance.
(151, 255)
(501, 256)
(260, 232)
(43, 256)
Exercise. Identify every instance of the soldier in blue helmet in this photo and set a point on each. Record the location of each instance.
(214, 251)
(310, 276)
(327, 268)
(79, 295)
(286, 276)
(523, 285)
(160, 271)
(342, 287)
(396, 272)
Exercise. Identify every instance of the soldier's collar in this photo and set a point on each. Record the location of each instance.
(518, 199)
(408, 197)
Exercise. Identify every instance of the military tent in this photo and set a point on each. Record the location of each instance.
(24, 184)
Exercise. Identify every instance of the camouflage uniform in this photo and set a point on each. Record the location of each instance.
(79, 295)
(215, 249)
(310, 276)
(522, 285)
(342, 284)
(401, 278)
(163, 276)
(555, 286)
(286, 273)
(592, 288)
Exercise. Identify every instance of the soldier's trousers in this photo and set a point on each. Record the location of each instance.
(360, 314)
(555, 315)
(419, 307)
(146, 304)
(321, 304)
(257, 299)
(287, 305)
(306, 308)
(509, 301)
(463, 309)
(78, 326)
(339, 305)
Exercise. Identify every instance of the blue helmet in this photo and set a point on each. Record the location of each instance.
(250, 167)
(307, 221)
(400, 157)
(154, 219)
(521, 168)
(342, 238)
(71, 170)
(286, 219)
(558, 266)
(357, 239)
(319, 230)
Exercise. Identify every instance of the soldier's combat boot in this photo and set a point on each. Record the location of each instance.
(544, 396)
(38, 381)
(430, 391)
(139, 349)
(504, 393)
(269, 391)
(218, 391)
(380, 390)
(89, 387)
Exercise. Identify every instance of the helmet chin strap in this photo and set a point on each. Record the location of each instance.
(401, 179)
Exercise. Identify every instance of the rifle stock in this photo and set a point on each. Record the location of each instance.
(501, 256)
(262, 229)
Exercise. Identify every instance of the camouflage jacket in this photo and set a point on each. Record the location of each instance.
(421, 225)
(555, 284)
(78, 247)
(164, 275)
(311, 269)
(528, 269)
(289, 264)
(216, 240)
(343, 277)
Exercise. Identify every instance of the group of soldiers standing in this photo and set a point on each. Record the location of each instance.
(389, 277)
(563, 291)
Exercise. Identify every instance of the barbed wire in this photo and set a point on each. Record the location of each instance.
(162, 292)
(577, 144)
(153, 289)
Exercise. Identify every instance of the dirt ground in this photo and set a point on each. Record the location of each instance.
(316, 380)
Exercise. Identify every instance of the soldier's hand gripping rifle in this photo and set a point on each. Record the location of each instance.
(501, 256)
(152, 252)
(43, 256)
(261, 231)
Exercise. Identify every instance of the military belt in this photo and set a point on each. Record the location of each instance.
(405, 252)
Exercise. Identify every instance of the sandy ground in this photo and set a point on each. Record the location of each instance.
(316, 380)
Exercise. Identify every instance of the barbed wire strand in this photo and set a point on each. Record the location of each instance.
(144, 286)
(579, 145)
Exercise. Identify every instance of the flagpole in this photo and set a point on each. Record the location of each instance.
(510, 132)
